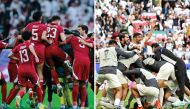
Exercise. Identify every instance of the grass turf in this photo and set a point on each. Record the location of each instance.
(99, 95)
(55, 99)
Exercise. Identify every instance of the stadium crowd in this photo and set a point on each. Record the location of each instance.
(116, 16)
(15, 14)
(158, 32)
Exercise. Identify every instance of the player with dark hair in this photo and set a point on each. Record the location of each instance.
(81, 64)
(26, 68)
(39, 33)
(13, 73)
(53, 51)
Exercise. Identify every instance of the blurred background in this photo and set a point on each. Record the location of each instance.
(15, 14)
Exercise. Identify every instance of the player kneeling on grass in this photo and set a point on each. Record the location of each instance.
(26, 69)
(148, 89)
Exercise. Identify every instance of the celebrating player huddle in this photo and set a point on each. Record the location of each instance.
(36, 55)
(153, 79)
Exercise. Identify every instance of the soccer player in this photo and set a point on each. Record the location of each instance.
(26, 68)
(2, 78)
(108, 68)
(164, 71)
(149, 88)
(53, 51)
(81, 64)
(124, 64)
(13, 73)
(180, 67)
(39, 33)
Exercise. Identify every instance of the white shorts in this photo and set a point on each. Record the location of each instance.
(129, 61)
(112, 79)
(147, 91)
(121, 77)
(166, 71)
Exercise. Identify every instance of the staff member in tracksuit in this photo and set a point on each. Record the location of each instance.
(180, 67)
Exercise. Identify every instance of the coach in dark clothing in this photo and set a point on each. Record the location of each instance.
(180, 67)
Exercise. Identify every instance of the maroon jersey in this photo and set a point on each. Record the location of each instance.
(80, 51)
(54, 31)
(26, 59)
(37, 29)
(17, 42)
(2, 45)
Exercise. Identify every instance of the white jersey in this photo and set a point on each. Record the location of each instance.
(108, 57)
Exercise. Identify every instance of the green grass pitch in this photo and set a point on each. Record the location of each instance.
(55, 99)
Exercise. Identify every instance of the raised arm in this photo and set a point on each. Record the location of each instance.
(151, 31)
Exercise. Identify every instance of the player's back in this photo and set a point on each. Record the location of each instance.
(36, 28)
(53, 32)
(108, 57)
(26, 59)
(80, 51)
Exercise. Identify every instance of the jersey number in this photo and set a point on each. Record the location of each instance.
(24, 55)
(106, 54)
(34, 34)
(53, 33)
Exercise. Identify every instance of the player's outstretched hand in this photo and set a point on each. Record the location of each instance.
(37, 59)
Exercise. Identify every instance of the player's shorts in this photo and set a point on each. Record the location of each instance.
(121, 77)
(81, 69)
(40, 51)
(129, 61)
(54, 51)
(13, 72)
(112, 79)
(166, 71)
(24, 76)
(147, 91)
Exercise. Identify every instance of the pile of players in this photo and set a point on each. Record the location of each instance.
(153, 79)
(37, 55)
